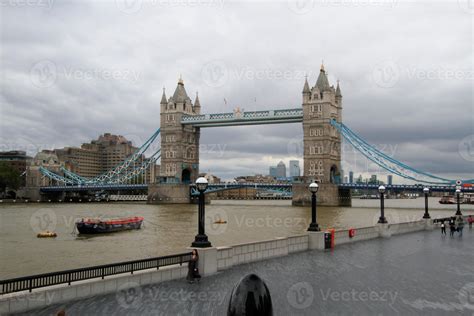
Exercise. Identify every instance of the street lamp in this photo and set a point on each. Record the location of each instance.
(382, 219)
(426, 191)
(313, 227)
(458, 198)
(200, 241)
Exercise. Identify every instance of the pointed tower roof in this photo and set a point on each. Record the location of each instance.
(163, 97)
(338, 90)
(196, 102)
(306, 85)
(180, 94)
(322, 83)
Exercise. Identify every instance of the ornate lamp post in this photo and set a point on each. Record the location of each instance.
(313, 227)
(200, 241)
(426, 191)
(458, 199)
(382, 219)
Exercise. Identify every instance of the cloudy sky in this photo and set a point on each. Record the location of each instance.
(71, 70)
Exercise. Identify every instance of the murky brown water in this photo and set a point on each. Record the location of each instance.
(170, 229)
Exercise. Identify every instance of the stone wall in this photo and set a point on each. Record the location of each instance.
(168, 194)
(328, 195)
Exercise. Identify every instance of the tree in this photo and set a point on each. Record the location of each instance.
(9, 177)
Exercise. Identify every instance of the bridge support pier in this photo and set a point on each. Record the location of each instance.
(328, 195)
(167, 193)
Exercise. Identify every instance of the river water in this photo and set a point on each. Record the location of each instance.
(169, 229)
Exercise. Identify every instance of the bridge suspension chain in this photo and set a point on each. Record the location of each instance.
(385, 161)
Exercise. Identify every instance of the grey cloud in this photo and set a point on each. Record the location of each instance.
(263, 51)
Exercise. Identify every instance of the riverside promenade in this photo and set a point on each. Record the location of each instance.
(419, 272)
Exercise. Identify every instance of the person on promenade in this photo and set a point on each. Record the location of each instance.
(443, 228)
(193, 271)
(460, 224)
(470, 220)
(452, 228)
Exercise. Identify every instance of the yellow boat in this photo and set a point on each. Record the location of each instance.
(46, 234)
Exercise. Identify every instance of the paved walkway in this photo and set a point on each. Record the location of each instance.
(418, 273)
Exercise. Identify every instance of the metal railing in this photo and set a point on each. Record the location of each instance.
(29, 283)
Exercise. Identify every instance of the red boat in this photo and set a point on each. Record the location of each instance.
(98, 226)
(447, 200)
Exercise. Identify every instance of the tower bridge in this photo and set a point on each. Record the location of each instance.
(181, 121)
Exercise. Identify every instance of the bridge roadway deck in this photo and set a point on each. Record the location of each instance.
(410, 274)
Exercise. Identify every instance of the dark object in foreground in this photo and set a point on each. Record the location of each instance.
(97, 226)
(250, 297)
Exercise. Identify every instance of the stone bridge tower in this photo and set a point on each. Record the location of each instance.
(179, 149)
(322, 143)
(179, 143)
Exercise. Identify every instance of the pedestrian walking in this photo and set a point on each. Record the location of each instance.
(460, 224)
(470, 220)
(443, 228)
(193, 271)
(452, 228)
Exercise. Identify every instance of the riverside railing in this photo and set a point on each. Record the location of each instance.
(68, 276)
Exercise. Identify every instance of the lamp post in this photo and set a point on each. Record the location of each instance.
(426, 191)
(458, 199)
(313, 227)
(382, 219)
(200, 241)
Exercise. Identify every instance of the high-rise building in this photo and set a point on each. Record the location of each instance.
(273, 171)
(373, 179)
(17, 160)
(295, 168)
(101, 155)
(351, 177)
(389, 179)
(281, 170)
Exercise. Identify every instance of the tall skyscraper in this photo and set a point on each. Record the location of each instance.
(351, 177)
(389, 179)
(273, 171)
(294, 168)
(281, 170)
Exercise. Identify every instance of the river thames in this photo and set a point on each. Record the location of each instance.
(169, 229)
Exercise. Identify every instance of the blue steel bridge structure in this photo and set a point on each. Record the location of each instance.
(121, 176)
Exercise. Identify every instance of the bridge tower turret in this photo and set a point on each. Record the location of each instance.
(179, 143)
